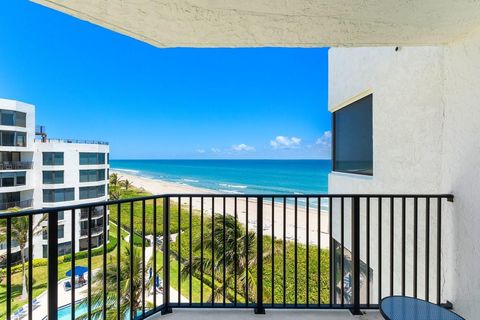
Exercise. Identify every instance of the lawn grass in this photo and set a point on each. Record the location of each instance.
(283, 286)
(40, 275)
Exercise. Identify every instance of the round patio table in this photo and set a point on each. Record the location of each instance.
(403, 308)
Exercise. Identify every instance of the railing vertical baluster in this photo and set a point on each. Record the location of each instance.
(273, 251)
(30, 267)
(119, 245)
(356, 255)
(213, 252)
(284, 251)
(166, 256)
(415, 246)
(379, 249)
(296, 251)
(368, 249)
(179, 248)
(439, 248)
(155, 254)
(201, 251)
(319, 249)
(72, 278)
(105, 239)
(333, 296)
(224, 286)
(143, 258)
(427, 249)
(259, 308)
(190, 252)
(89, 261)
(342, 242)
(246, 254)
(307, 258)
(236, 254)
(132, 236)
(392, 240)
(403, 244)
(9, 271)
(52, 265)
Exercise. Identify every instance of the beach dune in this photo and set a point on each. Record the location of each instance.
(273, 222)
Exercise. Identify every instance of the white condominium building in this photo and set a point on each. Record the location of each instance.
(41, 173)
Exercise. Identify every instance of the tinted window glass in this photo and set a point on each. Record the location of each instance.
(53, 158)
(353, 138)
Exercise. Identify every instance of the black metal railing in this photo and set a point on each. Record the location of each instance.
(16, 165)
(242, 251)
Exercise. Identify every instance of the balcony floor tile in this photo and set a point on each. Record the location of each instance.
(212, 314)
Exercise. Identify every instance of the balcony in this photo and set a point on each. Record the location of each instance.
(316, 255)
(95, 231)
(95, 214)
(16, 165)
(23, 204)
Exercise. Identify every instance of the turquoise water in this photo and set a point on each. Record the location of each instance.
(236, 176)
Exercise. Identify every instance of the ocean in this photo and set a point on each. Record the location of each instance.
(236, 176)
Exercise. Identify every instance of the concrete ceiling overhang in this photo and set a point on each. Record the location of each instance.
(279, 23)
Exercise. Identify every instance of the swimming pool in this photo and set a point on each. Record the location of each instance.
(64, 313)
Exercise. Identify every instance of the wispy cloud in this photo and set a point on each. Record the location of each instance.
(325, 139)
(282, 142)
(201, 151)
(215, 150)
(242, 147)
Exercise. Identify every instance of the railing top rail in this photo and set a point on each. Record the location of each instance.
(448, 197)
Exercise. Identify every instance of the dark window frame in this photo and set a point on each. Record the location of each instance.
(334, 133)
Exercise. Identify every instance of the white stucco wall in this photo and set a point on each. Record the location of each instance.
(426, 139)
(461, 169)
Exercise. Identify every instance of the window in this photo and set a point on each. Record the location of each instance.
(45, 251)
(92, 158)
(61, 215)
(11, 179)
(353, 138)
(61, 231)
(13, 139)
(58, 195)
(92, 175)
(52, 177)
(92, 192)
(13, 118)
(53, 158)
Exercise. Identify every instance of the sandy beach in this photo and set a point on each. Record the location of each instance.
(157, 186)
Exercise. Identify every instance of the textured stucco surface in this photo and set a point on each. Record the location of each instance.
(461, 169)
(426, 140)
(297, 23)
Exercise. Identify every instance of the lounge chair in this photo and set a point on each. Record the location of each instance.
(67, 286)
(19, 314)
(35, 304)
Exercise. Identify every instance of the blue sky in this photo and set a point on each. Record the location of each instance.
(149, 103)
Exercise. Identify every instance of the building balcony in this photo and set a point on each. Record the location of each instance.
(23, 204)
(94, 231)
(16, 165)
(96, 213)
(313, 256)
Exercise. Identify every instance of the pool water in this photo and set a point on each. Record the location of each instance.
(64, 313)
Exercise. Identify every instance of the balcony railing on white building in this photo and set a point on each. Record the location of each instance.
(322, 251)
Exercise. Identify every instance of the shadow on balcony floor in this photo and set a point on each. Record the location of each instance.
(209, 314)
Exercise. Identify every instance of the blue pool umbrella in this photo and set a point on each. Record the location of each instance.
(79, 271)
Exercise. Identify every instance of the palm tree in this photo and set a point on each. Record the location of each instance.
(114, 193)
(115, 179)
(125, 283)
(127, 184)
(19, 235)
(235, 260)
